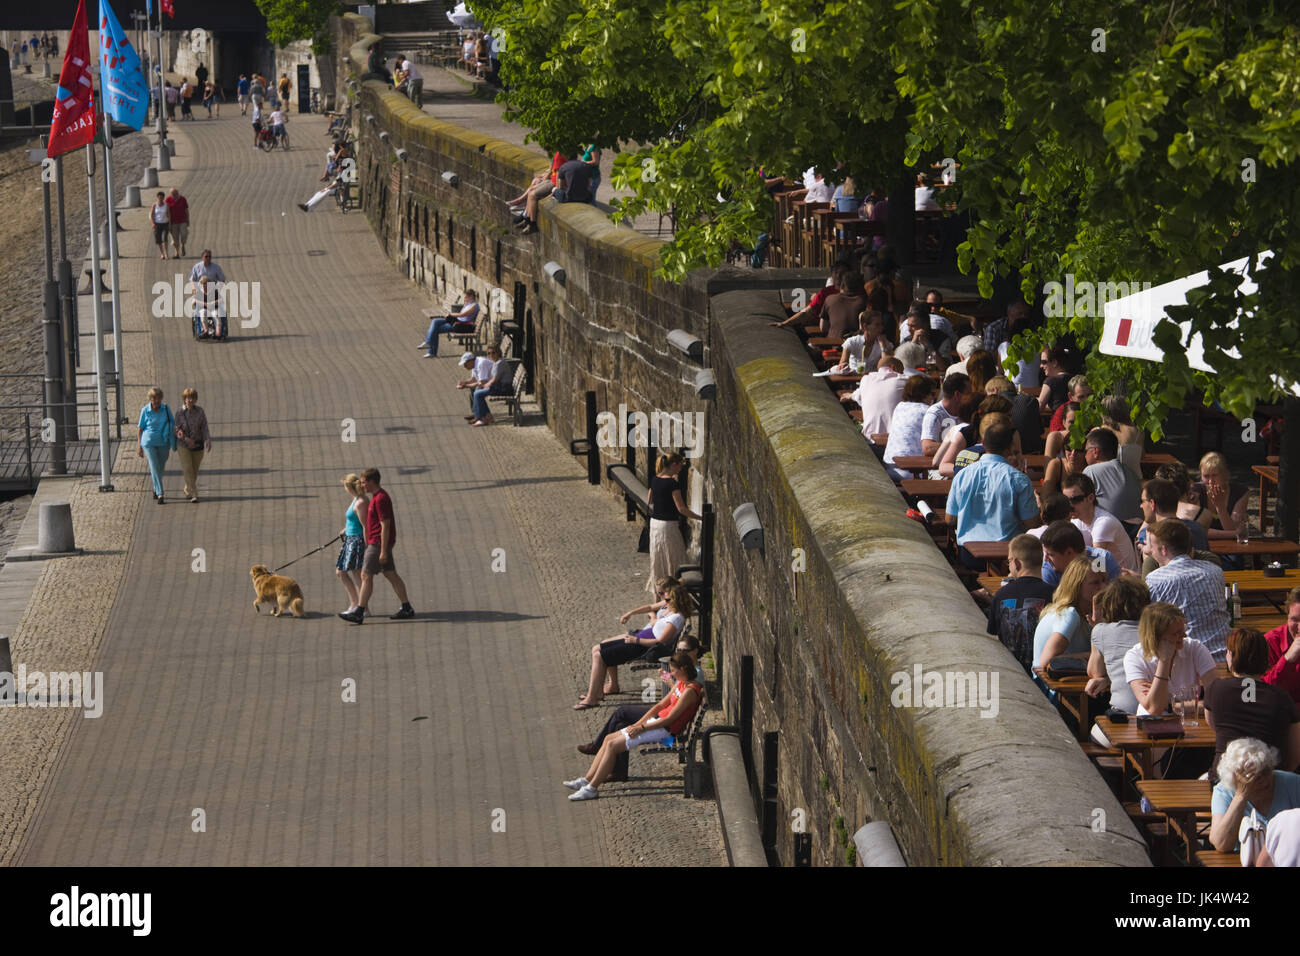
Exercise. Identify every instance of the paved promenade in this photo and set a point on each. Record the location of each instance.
(211, 708)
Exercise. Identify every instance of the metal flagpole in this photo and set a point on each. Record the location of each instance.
(101, 393)
(111, 215)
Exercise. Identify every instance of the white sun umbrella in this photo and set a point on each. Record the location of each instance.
(1131, 321)
(462, 17)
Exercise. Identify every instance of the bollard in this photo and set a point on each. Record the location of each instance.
(132, 200)
(162, 159)
(171, 147)
(103, 235)
(150, 180)
(8, 693)
(54, 531)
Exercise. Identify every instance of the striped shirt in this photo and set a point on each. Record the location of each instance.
(1196, 587)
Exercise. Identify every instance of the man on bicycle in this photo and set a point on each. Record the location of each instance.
(204, 279)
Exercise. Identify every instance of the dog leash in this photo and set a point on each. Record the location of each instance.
(310, 553)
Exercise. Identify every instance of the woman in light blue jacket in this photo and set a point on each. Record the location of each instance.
(157, 428)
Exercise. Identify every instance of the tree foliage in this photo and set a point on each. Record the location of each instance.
(1116, 142)
(290, 20)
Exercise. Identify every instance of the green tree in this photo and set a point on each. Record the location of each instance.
(290, 20)
(1115, 142)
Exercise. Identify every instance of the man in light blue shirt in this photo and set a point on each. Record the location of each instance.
(990, 500)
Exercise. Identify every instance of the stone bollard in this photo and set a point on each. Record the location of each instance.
(150, 180)
(162, 159)
(132, 200)
(103, 236)
(171, 147)
(54, 531)
(8, 693)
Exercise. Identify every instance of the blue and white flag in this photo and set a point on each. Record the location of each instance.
(148, 8)
(121, 80)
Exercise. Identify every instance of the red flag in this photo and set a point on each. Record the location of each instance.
(73, 125)
(169, 7)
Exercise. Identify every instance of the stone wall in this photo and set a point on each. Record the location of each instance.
(828, 626)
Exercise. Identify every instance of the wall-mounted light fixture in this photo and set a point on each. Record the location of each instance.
(450, 178)
(400, 154)
(748, 527)
(370, 118)
(706, 386)
(555, 271)
(686, 343)
(383, 136)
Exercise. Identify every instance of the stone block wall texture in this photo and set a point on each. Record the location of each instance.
(870, 599)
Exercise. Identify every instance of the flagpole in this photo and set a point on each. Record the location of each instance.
(101, 394)
(112, 258)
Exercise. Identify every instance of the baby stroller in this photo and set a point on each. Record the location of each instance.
(210, 316)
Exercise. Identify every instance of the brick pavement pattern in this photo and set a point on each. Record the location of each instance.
(210, 707)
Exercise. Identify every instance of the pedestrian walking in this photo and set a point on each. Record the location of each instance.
(171, 96)
(157, 437)
(160, 215)
(285, 88)
(241, 93)
(218, 97)
(179, 212)
(207, 98)
(381, 536)
(193, 441)
(352, 552)
(201, 75)
(187, 93)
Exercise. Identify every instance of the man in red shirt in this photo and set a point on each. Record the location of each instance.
(180, 219)
(381, 535)
(1284, 650)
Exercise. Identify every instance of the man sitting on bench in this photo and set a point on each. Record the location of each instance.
(462, 321)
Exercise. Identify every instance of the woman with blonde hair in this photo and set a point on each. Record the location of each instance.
(1063, 626)
(156, 438)
(193, 441)
(669, 620)
(348, 566)
(1165, 663)
(667, 549)
(1225, 502)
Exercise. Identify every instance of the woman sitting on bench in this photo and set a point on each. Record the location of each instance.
(465, 318)
(668, 718)
(670, 618)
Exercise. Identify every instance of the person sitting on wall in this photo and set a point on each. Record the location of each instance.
(573, 184)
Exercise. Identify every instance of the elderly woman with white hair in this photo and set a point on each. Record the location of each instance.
(1249, 781)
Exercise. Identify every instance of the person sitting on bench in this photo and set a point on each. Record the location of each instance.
(671, 611)
(335, 184)
(670, 717)
(448, 323)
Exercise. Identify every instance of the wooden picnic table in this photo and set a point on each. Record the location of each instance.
(913, 463)
(1267, 478)
(1180, 801)
(929, 489)
(1255, 547)
(1073, 696)
(1137, 747)
(1257, 582)
(839, 379)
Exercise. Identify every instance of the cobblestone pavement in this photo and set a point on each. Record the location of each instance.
(225, 737)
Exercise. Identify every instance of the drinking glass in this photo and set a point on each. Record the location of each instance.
(1243, 533)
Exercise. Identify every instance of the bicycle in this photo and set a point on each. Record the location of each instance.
(268, 141)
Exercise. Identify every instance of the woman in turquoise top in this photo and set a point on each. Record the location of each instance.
(348, 566)
(157, 437)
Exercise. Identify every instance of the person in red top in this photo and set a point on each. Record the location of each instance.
(523, 208)
(180, 220)
(668, 718)
(1284, 650)
(813, 312)
(1079, 390)
(381, 535)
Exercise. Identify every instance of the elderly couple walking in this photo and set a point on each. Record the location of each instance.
(161, 432)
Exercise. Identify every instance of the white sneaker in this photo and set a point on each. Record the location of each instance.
(576, 784)
(586, 793)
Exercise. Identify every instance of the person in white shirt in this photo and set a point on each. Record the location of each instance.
(1107, 532)
(819, 190)
(967, 345)
(1166, 663)
(905, 426)
(414, 80)
(925, 201)
(257, 121)
(871, 328)
(945, 413)
(278, 120)
(912, 355)
(1026, 374)
(878, 394)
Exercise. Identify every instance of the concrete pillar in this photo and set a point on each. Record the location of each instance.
(54, 530)
(150, 180)
(132, 200)
(171, 147)
(162, 159)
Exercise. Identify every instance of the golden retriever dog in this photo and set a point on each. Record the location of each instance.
(277, 588)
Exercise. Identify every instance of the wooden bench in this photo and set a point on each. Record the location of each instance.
(514, 397)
